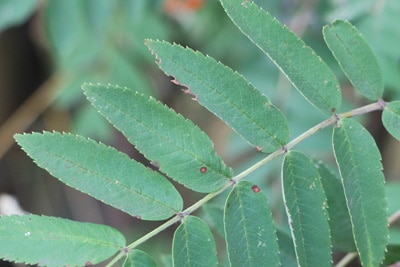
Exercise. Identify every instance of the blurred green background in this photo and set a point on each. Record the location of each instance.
(49, 48)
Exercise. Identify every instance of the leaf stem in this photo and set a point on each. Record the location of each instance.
(346, 259)
(394, 217)
(379, 105)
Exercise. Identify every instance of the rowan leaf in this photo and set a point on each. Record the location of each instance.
(355, 57)
(51, 241)
(103, 173)
(306, 206)
(178, 147)
(306, 70)
(138, 258)
(225, 93)
(391, 118)
(339, 219)
(249, 229)
(193, 244)
(360, 166)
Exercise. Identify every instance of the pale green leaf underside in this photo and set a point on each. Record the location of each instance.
(103, 173)
(249, 229)
(193, 244)
(391, 118)
(308, 73)
(225, 93)
(176, 145)
(355, 57)
(138, 258)
(360, 167)
(50, 241)
(306, 206)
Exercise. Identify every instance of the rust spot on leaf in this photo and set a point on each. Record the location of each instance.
(255, 189)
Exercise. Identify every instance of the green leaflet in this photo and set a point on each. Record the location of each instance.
(355, 57)
(306, 206)
(391, 118)
(193, 244)
(50, 241)
(138, 258)
(308, 73)
(103, 173)
(225, 93)
(287, 252)
(360, 167)
(339, 220)
(249, 230)
(176, 145)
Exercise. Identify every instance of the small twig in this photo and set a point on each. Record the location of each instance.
(346, 259)
(27, 113)
(392, 218)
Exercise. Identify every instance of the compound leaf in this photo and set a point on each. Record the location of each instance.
(308, 73)
(193, 244)
(103, 173)
(306, 207)
(391, 118)
(179, 148)
(360, 168)
(355, 57)
(225, 93)
(138, 258)
(249, 230)
(50, 241)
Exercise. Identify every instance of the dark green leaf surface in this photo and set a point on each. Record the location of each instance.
(193, 244)
(306, 206)
(138, 258)
(225, 93)
(339, 220)
(391, 118)
(287, 252)
(308, 73)
(392, 190)
(213, 215)
(50, 241)
(176, 145)
(104, 173)
(249, 230)
(355, 57)
(360, 167)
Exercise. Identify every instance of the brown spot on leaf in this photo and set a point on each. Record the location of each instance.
(255, 189)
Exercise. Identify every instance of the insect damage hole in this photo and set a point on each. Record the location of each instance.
(203, 169)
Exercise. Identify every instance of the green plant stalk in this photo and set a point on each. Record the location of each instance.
(334, 119)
